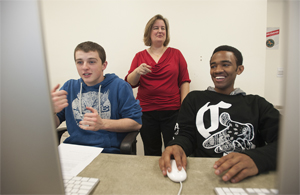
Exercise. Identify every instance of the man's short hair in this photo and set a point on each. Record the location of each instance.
(91, 46)
(148, 29)
(236, 52)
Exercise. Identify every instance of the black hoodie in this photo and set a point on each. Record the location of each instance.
(211, 124)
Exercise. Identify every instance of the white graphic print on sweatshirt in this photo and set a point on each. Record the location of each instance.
(235, 136)
(91, 99)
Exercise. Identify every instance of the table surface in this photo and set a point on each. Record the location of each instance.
(130, 174)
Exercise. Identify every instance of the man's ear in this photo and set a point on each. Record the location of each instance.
(240, 69)
(104, 65)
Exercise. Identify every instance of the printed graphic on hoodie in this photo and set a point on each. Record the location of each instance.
(234, 136)
(91, 99)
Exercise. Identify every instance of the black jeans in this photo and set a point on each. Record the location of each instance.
(156, 123)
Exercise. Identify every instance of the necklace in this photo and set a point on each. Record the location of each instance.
(158, 53)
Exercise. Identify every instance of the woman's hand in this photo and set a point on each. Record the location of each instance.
(143, 69)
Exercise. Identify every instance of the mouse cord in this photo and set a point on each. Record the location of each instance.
(180, 188)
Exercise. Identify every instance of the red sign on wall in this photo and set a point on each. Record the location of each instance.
(272, 41)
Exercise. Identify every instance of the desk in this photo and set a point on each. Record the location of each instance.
(130, 174)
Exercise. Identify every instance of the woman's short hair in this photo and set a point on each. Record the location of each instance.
(148, 29)
(91, 46)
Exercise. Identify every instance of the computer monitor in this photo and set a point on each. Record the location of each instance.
(289, 149)
(29, 154)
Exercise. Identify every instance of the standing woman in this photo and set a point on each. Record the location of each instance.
(161, 74)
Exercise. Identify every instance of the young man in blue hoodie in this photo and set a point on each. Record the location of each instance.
(99, 109)
(224, 122)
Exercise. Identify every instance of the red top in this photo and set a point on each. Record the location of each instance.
(159, 90)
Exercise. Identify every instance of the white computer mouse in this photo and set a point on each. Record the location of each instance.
(176, 175)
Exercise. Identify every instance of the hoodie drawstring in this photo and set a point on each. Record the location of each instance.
(99, 100)
(80, 94)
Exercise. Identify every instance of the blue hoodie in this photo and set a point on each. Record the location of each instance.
(116, 102)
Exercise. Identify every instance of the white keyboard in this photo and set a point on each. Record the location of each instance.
(79, 185)
(245, 191)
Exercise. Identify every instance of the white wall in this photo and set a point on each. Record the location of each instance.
(196, 28)
(275, 58)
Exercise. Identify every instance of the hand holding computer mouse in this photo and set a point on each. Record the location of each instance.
(176, 175)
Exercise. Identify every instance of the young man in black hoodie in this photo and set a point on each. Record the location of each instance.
(225, 122)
